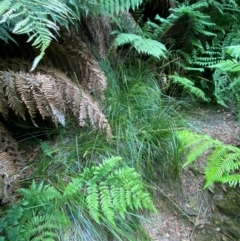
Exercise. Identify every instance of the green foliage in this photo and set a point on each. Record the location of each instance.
(226, 78)
(142, 121)
(41, 20)
(110, 190)
(142, 45)
(117, 6)
(222, 89)
(188, 85)
(34, 217)
(223, 160)
(37, 19)
(102, 191)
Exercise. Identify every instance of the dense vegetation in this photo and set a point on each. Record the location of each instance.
(89, 100)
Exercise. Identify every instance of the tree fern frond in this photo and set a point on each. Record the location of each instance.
(75, 55)
(4, 5)
(50, 96)
(11, 165)
(4, 34)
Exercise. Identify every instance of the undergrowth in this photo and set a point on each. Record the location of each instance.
(107, 194)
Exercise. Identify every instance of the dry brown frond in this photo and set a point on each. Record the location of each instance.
(11, 164)
(73, 57)
(50, 95)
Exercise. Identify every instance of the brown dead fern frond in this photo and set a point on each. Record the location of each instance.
(74, 58)
(8, 176)
(11, 165)
(50, 95)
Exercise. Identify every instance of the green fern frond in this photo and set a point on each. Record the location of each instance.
(40, 194)
(4, 34)
(92, 200)
(38, 216)
(232, 180)
(4, 6)
(117, 6)
(44, 211)
(73, 187)
(106, 202)
(227, 65)
(42, 228)
(188, 85)
(38, 19)
(223, 161)
(110, 190)
(142, 45)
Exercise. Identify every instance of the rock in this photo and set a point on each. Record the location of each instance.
(207, 233)
(228, 203)
(228, 226)
(232, 228)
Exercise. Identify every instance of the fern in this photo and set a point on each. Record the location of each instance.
(226, 78)
(33, 18)
(222, 88)
(108, 188)
(222, 163)
(188, 85)
(34, 217)
(40, 20)
(49, 96)
(227, 65)
(117, 6)
(105, 192)
(142, 45)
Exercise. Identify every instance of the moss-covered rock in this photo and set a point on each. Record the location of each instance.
(228, 203)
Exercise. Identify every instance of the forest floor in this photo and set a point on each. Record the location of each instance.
(185, 209)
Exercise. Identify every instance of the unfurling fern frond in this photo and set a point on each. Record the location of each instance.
(188, 85)
(142, 45)
(49, 95)
(223, 162)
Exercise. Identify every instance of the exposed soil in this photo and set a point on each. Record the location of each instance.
(185, 209)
